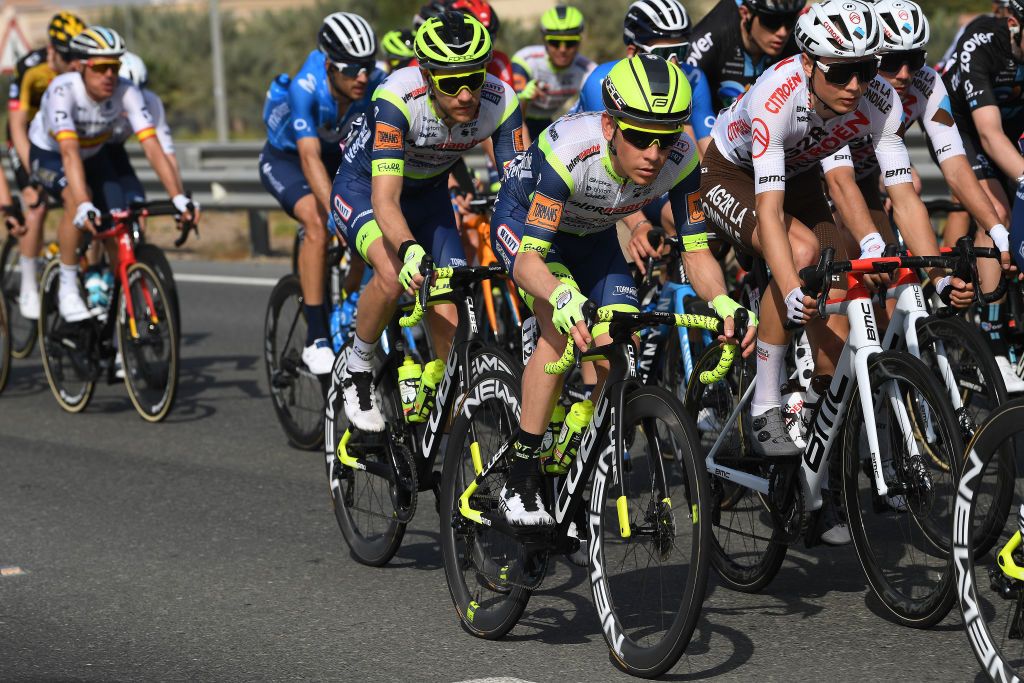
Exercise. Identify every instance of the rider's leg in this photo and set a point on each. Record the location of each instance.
(29, 246)
(312, 266)
(72, 307)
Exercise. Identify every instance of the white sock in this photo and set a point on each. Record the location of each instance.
(771, 363)
(27, 265)
(68, 279)
(360, 355)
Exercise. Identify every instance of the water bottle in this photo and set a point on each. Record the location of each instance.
(793, 399)
(551, 436)
(98, 288)
(337, 328)
(409, 374)
(432, 374)
(348, 311)
(569, 439)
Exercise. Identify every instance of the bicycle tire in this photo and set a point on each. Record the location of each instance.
(982, 390)
(73, 397)
(150, 351)
(354, 491)
(22, 330)
(297, 395)
(653, 507)
(919, 536)
(155, 258)
(488, 607)
(5, 344)
(744, 551)
(1001, 656)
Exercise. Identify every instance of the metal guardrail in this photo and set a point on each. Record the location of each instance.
(225, 177)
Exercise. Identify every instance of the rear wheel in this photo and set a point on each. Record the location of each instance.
(66, 348)
(22, 330)
(148, 343)
(297, 394)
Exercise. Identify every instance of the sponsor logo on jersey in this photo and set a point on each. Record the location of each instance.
(517, 140)
(694, 212)
(413, 94)
(737, 129)
(880, 97)
(508, 239)
(307, 83)
(758, 138)
(597, 188)
(782, 93)
(387, 137)
(545, 212)
(625, 290)
(698, 47)
(343, 209)
(582, 156)
(492, 97)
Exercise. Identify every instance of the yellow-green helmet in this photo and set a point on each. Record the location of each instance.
(397, 44)
(561, 20)
(647, 89)
(452, 41)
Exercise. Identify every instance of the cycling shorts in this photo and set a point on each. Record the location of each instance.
(130, 182)
(282, 176)
(594, 262)
(727, 197)
(106, 185)
(428, 211)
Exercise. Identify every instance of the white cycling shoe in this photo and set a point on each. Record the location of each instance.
(1014, 384)
(319, 357)
(71, 307)
(28, 303)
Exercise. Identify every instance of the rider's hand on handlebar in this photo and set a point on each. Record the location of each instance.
(726, 308)
(873, 246)
(187, 209)
(13, 220)
(639, 246)
(567, 315)
(87, 217)
(412, 256)
(955, 292)
(800, 308)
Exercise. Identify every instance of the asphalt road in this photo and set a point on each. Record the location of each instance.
(205, 548)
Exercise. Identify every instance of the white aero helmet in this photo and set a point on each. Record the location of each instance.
(839, 28)
(904, 25)
(134, 69)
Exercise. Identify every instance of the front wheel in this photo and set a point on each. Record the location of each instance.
(902, 538)
(650, 527)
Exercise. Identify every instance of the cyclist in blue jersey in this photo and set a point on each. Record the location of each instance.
(307, 119)
(394, 183)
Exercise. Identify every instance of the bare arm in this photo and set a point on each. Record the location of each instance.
(849, 201)
(316, 174)
(162, 165)
(999, 148)
(74, 170)
(965, 186)
(18, 122)
(386, 193)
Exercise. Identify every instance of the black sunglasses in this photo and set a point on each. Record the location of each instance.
(560, 43)
(892, 62)
(642, 139)
(773, 21)
(354, 69)
(841, 73)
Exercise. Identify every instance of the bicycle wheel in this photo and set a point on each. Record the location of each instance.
(148, 343)
(648, 584)
(374, 502)
(66, 349)
(744, 551)
(296, 393)
(976, 378)
(154, 257)
(991, 600)
(903, 539)
(22, 330)
(5, 344)
(490, 574)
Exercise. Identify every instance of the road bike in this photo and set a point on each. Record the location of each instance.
(647, 538)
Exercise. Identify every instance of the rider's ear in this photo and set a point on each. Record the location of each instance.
(607, 126)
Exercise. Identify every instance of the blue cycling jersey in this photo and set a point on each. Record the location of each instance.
(702, 119)
(308, 108)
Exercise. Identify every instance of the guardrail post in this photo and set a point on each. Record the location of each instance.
(259, 232)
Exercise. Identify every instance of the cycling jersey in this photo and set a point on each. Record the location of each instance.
(717, 50)
(31, 77)
(774, 131)
(123, 129)
(403, 135)
(702, 119)
(309, 109)
(68, 112)
(555, 87)
(925, 101)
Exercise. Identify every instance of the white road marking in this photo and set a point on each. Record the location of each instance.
(498, 679)
(226, 280)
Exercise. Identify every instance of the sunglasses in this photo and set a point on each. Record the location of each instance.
(773, 21)
(892, 62)
(676, 52)
(562, 42)
(841, 73)
(641, 138)
(453, 85)
(353, 70)
(104, 67)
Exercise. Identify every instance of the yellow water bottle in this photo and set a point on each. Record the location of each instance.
(551, 436)
(409, 374)
(572, 433)
(432, 374)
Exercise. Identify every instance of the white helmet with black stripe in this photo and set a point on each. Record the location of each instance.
(648, 20)
(346, 37)
(839, 28)
(904, 25)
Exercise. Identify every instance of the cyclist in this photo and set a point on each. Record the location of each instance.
(555, 219)
(761, 186)
(924, 100)
(1000, 8)
(69, 155)
(394, 182)
(547, 76)
(33, 74)
(397, 48)
(307, 119)
(738, 40)
(985, 84)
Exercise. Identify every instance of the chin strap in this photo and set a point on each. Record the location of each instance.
(810, 86)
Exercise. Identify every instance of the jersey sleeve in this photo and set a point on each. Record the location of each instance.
(390, 122)
(302, 100)
(686, 210)
(520, 72)
(887, 139)
(937, 121)
(553, 187)
(508, 136)
(138, 113)
(702, 118)
(768, 126)
(159, 114)
(59, 109)
(840, 159)
(590, 91)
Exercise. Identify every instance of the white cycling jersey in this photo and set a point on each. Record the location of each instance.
(555, 87)
(123, 129)
(67, 111)
(924, 100)
(774, 131)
